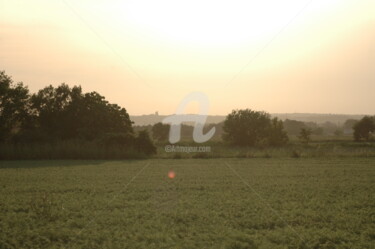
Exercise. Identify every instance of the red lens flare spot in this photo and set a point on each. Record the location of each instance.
(171, 174)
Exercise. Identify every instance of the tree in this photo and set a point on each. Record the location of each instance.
(144, 144)
(349, 124)
(51, 107)
(293, 127)
(277, 135)
(67, 113)
(160, 131)
(250, 128)
(304, 135)
(13, 106)
(98, 117)
(364, 128)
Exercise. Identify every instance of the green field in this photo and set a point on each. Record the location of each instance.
(211, 203)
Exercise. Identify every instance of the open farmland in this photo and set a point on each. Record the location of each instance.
(210, 203)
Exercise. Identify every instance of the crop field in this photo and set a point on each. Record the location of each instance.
(209, 203)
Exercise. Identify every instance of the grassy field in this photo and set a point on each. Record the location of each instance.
(211, 203)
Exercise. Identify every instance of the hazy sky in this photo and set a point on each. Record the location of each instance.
(278, 56)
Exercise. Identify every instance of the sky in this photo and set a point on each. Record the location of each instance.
(305, 56)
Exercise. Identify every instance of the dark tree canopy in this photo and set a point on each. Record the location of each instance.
(13, 106)
(55, 114)
(144, 144)
(364, 128)
(250, 128)
(66, 113)
(160, 131)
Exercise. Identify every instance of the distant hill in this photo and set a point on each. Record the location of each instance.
(337, 119)
(153, 119)
(305, 117)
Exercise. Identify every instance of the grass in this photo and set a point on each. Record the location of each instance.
(66, 150)
(316, 149)
(278, 203)
(84, 150)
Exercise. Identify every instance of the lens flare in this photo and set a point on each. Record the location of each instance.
(171, 174)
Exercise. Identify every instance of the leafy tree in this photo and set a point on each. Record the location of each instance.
(250, 128)
(293, 127)
(349, 124)
(66, 113)
(277, 135)
(364, 128)
(143, 143)
(63, 113)
(160, 131)
(51, 108)
(305, 135)
(13, 106)
(98, 117)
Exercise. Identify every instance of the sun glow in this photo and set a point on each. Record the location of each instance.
(162, 50)
(211, 23)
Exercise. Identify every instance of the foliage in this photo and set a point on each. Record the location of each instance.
(277, 135)
(144, 144)
(65, 113)
(62, 113)
(13, 106)
(364, 128)
(160, 132)
(251, 128)
(305, 135)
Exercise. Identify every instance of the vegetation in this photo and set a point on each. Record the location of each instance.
(270, 192)
(160, 132)
(56, 114)
(305, 136)
(250, 128)
(64, 123)
(288, 203)
(364, 128)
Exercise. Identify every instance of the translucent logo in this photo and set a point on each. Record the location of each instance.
(199, 119)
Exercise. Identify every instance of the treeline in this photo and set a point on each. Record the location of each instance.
(56, 114)
(249, 128)
(64, 122)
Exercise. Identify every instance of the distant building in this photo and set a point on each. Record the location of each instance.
(156, 113)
